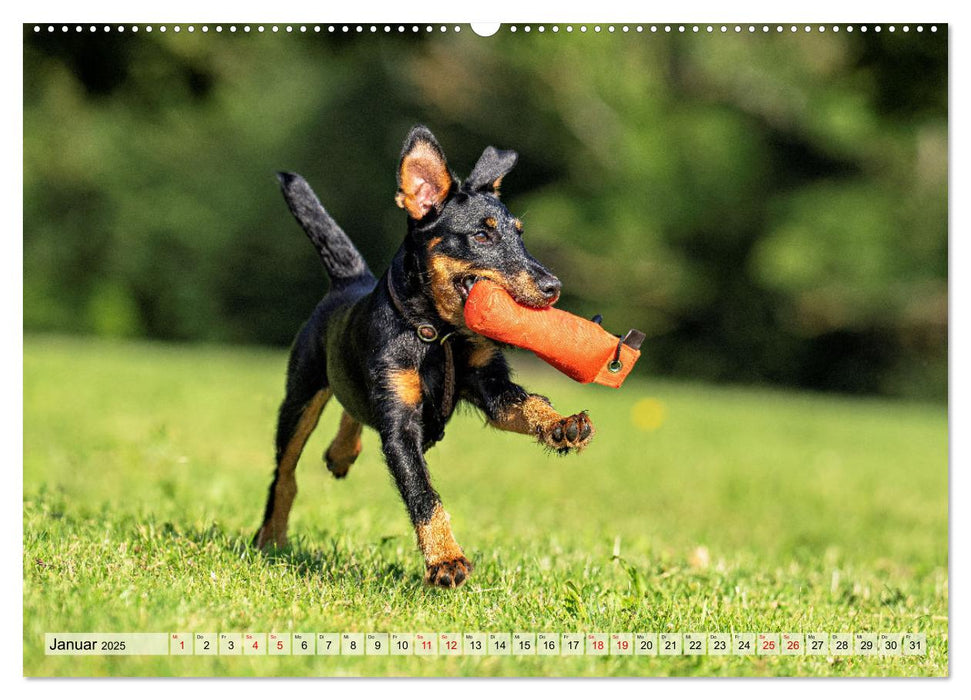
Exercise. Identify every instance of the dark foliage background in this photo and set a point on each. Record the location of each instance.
(768, 207)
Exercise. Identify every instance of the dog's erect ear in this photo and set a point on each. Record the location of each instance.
(423, 177)
(493, 165)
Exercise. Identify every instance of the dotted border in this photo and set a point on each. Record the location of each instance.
(513, 28)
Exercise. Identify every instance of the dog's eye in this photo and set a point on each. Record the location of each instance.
(482, 237)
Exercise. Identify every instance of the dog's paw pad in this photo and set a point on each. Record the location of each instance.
(448, 574)
(570, 433)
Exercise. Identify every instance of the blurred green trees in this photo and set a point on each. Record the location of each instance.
(767, 207)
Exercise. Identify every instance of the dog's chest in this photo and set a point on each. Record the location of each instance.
(439, 392)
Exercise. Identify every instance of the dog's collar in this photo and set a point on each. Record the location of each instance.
(428, 333)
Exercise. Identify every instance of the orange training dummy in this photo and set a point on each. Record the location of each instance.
(579, 348)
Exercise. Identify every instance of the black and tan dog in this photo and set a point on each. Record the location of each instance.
(395, 351)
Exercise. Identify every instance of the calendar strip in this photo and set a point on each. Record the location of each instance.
(876, 644)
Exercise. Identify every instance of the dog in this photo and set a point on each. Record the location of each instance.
(395, 351)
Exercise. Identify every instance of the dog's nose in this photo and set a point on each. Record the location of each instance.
(549, 285)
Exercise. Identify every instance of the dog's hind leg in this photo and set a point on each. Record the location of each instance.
(307, 393)
(298, 418)
(345, 448)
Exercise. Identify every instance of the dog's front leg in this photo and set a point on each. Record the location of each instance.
(509, 406)
(402, 437)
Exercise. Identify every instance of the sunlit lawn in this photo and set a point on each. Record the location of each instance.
(696, 509)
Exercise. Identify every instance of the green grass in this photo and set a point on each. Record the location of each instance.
(146, 467)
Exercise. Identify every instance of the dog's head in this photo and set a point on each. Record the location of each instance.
(463, 231)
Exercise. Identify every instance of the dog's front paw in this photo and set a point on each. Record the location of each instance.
(448, 574)
(565, 434)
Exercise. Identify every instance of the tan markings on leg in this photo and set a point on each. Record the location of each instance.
(406, 385)
(434, 242)
(345, 447)
(536, 417)
(274, 530)
(527, 416)
(435, 539)
(482, 353)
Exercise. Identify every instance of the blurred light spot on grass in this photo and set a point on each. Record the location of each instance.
(648, 414)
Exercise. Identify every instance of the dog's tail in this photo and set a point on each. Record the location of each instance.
(341, 259)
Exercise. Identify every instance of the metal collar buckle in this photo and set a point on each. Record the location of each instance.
(427, 332)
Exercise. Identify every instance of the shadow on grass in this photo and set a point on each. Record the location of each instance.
(336, 563)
